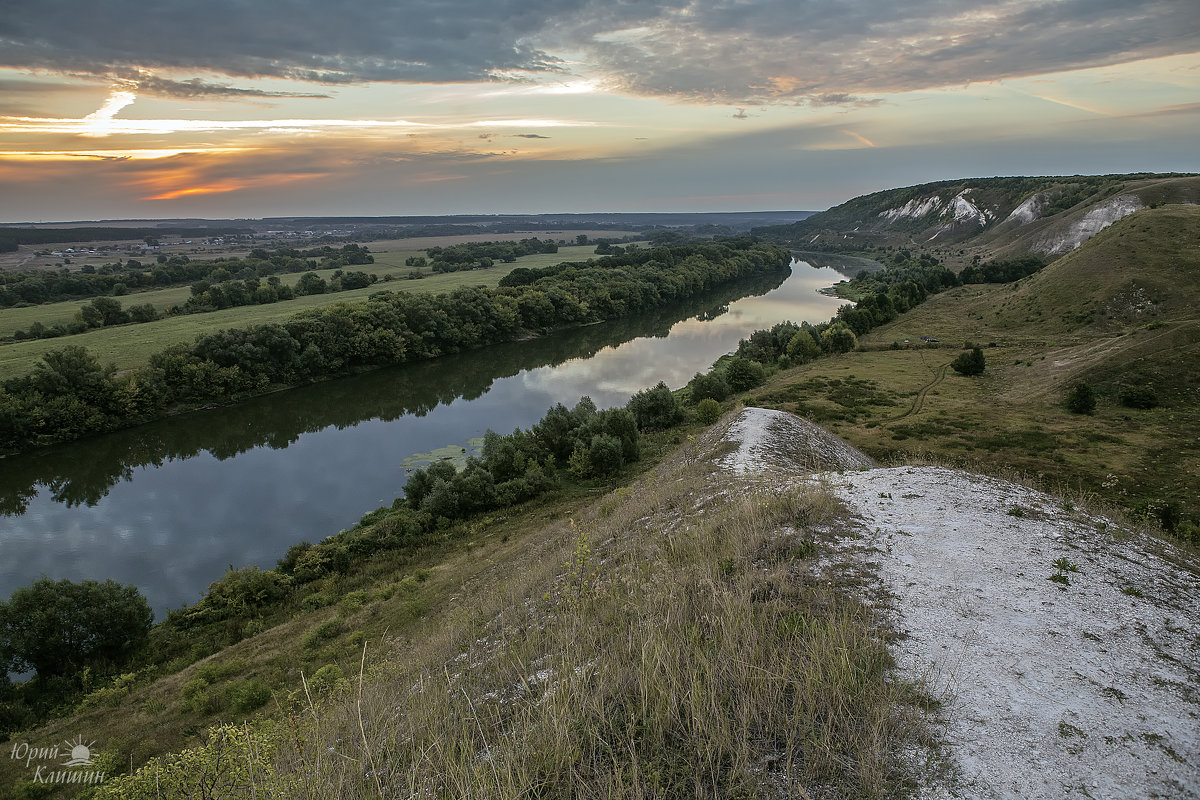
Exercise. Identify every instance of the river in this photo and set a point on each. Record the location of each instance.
(171, 505)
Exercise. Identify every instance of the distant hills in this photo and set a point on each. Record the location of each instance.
(989, 217)
(736, 221)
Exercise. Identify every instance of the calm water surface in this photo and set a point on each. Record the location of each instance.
(169, 506)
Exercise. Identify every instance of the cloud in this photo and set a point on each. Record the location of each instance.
(359, 40)
(530, 136)
(825, 52)
(195, 87)
(820, 52)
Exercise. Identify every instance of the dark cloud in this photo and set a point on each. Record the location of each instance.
(151, 84)
(353, 41)
(530, 136)
(819, 52)
(833, 51)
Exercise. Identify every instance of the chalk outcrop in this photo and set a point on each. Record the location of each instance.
(1064, 648)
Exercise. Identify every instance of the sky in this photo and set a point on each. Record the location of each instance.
(131, 109)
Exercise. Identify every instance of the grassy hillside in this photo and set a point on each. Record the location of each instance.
(988, 217)
(1119, 312)
(645, 641)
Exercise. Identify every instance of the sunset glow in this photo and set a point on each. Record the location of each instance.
(676, 106)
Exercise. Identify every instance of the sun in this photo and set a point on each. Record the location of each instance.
(81, 754)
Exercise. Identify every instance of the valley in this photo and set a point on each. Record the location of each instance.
(558, 633)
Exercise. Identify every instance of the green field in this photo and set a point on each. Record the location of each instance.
(130, 346)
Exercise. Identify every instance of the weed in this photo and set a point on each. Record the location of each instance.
(1115, 693)
(1063, 567)
(1067, 730)
(1132, 591)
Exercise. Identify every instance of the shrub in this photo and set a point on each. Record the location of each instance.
(970, 362)
(234, 761)
(803, 347)
(321, 633)
(605, 455)
(1081, 399)
(353, 601)
(708, 411)
(1138, 397)
(248, 695)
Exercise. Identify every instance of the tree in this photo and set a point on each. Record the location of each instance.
(58, 628)
(1081, 399)
(743, 374)
(708, 411)
(969, 362)
(802, 347)
(711, 385)
(311, 283)
(838, 338)
(656, 408)
(604, 456)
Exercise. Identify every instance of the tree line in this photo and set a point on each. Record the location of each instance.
(37, 287)
(481, 255)
(12, 238)
(206, 296)
(70, 394)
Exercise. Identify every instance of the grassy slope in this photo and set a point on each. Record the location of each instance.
(1119, 309)
(857, 223)
(635, 600)
(130, 346)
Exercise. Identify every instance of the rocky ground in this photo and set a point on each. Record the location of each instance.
(1064, 649)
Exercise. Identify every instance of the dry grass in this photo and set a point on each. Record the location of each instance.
(675, 647)
(669, 641)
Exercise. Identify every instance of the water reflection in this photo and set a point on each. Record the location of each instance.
(168, 506)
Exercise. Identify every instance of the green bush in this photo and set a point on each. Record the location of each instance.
(1138, 397)
(838, 338)
(248, 695)
(605, 455)
(322, 633)
(803, 347)
(656, 409)
(708, 411)
(970, 362)
(1081, 399)
(353, 601)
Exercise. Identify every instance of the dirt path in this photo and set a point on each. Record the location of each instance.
(1088, 688)
(919, 401)
(1085, 686)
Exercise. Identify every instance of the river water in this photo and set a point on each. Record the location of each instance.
(171, 505)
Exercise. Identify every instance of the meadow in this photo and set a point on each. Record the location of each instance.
(130, 346)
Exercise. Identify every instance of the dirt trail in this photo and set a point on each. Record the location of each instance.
(919, 401)
(1088, 686)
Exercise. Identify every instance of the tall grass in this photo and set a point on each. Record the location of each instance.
(674, 647)
(671, 642)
